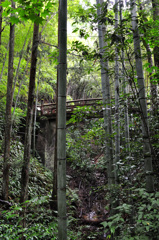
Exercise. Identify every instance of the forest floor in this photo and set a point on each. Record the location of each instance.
(87, 204)
(91, 205)
(86, 200)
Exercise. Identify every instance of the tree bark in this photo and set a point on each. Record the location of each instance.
(8, 120)
(117, 93)
(27, 143)
(126, 115)
(35, 111)
(61, 125)
(142, 101)
(153, 87)
(106, 99)
(53, 202)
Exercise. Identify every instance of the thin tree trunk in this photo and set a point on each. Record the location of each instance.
(28, 59)
(27, 143)
(8, 120)
(142, 101)
(117, 116)
(53, 202)
(126, 115)
(23, 77)
(61, 125)
(48, 20)
(115, 197)
(153, 87)
(106, 99)
(4, 62)
(35, 113)
(20, 58)
(22, 51)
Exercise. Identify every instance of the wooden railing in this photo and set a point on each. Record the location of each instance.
(49, 109)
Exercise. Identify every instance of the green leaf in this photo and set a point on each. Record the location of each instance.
(11, 216)
(14, 20)
(5, 4)
(75, 30)
(112, 229)
(157, 194)
(105, 224)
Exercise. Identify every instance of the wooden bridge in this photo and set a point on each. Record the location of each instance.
(92, 106)
(46, 118)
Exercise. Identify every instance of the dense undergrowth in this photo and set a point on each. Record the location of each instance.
(88, 195)
(39, 221)
(136, 215)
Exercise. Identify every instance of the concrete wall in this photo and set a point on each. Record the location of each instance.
(45, 142)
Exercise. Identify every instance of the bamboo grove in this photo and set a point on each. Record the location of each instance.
(54, 51)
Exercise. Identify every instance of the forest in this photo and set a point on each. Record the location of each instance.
(79, 119)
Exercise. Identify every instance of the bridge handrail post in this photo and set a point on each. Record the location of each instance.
(42, 107)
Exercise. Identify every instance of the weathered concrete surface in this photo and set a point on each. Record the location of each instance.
(45, 142)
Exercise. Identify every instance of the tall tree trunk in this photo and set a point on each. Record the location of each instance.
(142, 101)
(53, 202)
(117, 121)
(35, 111)
(8, 119)
(126, 115)
(27, 143)
(61, 125)
(153, 87)
(106, 98)
(117, 116)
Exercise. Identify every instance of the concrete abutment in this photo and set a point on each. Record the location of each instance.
(45, 141)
